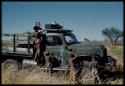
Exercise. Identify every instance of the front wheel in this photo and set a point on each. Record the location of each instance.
(84, 75)
(89, 76)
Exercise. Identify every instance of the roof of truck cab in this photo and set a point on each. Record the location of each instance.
(57, 30)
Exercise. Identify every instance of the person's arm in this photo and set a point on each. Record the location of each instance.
(33, 35)
(68, 64)
(74, 57)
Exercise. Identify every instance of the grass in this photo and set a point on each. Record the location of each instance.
(29, 75)
(33, 75)
(117, 53)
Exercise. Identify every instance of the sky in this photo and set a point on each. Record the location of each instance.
(86, 19)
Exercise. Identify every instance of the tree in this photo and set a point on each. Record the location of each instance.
(113, 34)
(86, 40)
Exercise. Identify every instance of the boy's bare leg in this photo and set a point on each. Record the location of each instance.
(36, 56)
(38, 51)
(70, 76)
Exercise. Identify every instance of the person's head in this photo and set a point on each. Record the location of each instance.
(46, 53)
(38, 24)
(72, 55)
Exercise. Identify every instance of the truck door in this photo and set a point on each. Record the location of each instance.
(54, 46)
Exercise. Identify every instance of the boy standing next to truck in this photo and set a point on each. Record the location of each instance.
(48, 61)
(73, 68)
(94, 70)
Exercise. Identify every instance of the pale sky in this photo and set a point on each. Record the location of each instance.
(86, 19)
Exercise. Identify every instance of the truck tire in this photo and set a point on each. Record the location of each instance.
(10, 64)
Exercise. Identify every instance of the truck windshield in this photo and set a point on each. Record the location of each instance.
(70, 38)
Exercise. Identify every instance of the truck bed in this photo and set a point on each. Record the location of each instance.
(16, 56)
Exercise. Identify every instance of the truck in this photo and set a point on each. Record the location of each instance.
(60, 44)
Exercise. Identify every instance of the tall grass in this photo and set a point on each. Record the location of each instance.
(30, 75)
(117, 53)
(34, 75)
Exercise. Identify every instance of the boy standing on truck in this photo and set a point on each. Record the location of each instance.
(37, 42)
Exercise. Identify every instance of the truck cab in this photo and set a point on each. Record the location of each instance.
(57, 42)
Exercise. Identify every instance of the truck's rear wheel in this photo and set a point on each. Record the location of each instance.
(10, 64)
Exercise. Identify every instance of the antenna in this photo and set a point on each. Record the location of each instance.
(55, 22)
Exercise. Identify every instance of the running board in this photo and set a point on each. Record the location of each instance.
(32, 62)
(56, 68)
